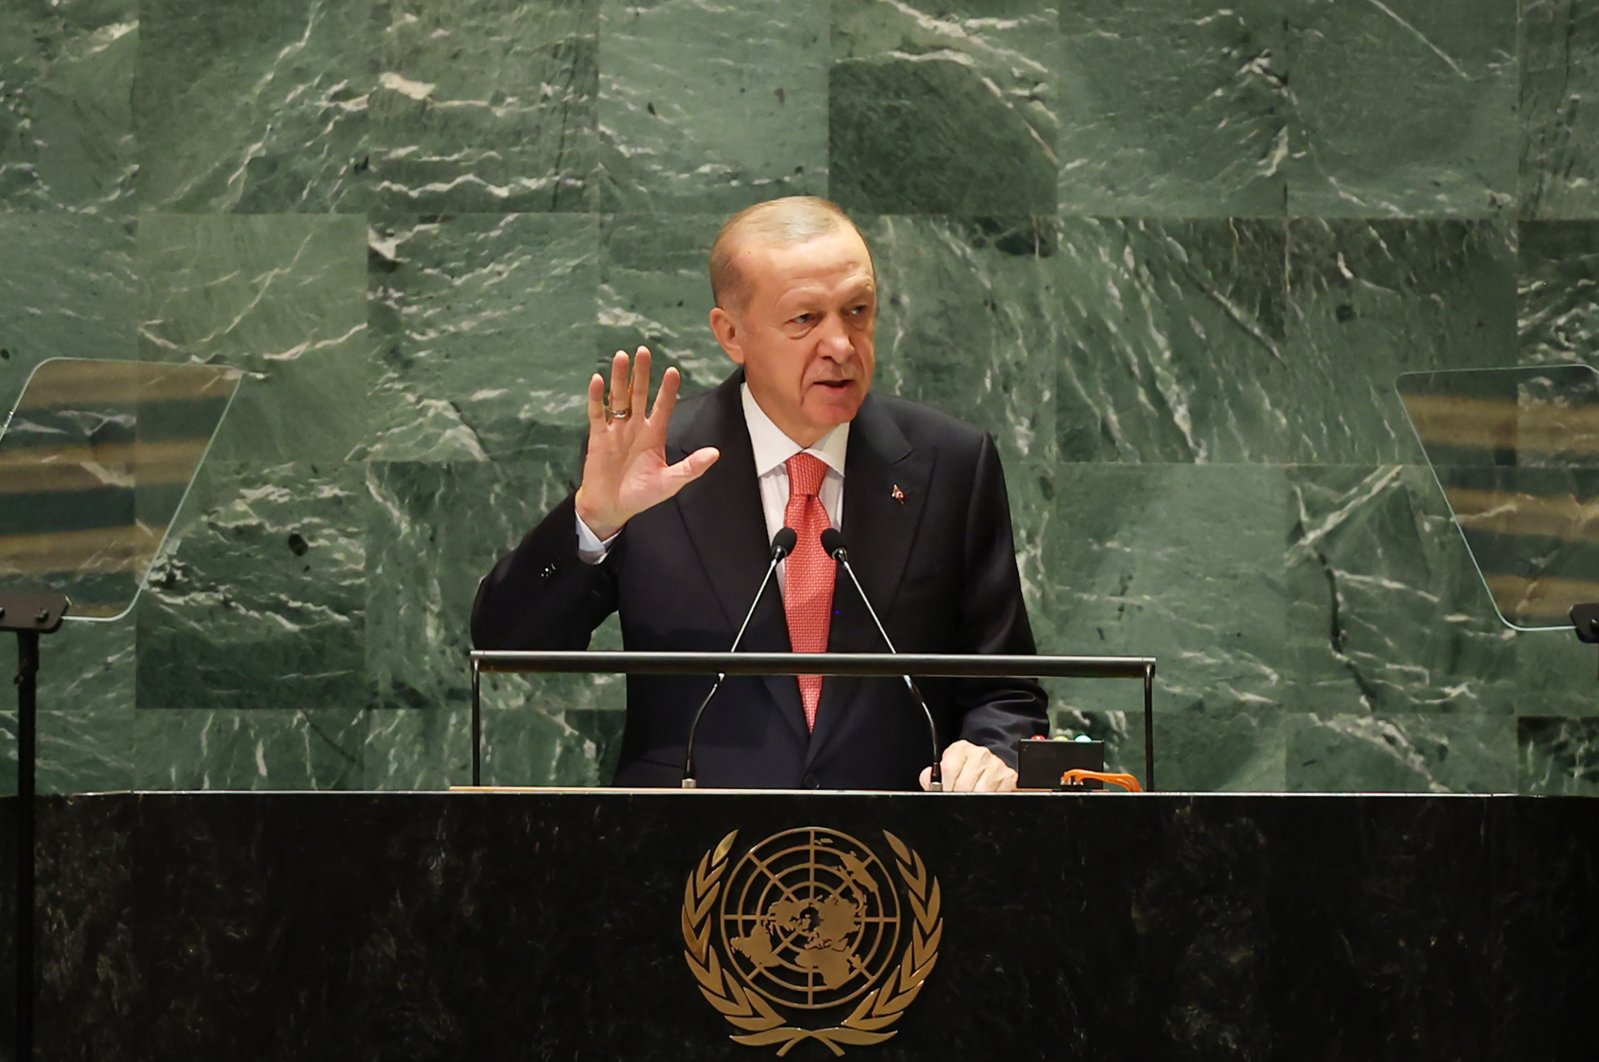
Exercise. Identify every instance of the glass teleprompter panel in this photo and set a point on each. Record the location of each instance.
(95, 460)
(1516, 454)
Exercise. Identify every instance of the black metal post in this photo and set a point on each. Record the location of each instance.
(30, 615)
(27, 719)
(477, 724)
(1149, 727)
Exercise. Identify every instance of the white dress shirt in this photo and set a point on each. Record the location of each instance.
(772, 451)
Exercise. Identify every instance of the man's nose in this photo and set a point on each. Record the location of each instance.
(835, 341)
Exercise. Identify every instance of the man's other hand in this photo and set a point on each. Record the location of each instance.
(626, 470)
(969, 768)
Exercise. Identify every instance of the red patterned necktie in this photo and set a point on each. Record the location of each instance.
(808, 578)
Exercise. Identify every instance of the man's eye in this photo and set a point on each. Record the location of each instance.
(802, 319)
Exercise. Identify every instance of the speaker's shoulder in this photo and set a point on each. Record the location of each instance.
(926, 425)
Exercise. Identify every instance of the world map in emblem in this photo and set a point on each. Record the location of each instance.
(810, 918)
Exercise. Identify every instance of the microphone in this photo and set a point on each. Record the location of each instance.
(833, 544)
(782, 546)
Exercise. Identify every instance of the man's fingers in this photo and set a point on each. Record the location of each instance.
(969, 771)
(666, 398)
(639, 396)
(981, 772)
(969, 768)
(596, 398)
(692, 467)
(926, 778)
(954, 764)
(996, 777)
(618, 397)
(949, 766)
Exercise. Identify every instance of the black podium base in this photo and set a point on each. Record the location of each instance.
(486, 926)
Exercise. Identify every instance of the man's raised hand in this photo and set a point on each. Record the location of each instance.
(626, 470)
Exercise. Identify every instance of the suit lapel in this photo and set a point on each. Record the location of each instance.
(721, 512)
(885, 490)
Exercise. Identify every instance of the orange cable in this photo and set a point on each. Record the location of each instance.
(1078, 774)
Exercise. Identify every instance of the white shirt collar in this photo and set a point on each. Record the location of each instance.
(772, 448)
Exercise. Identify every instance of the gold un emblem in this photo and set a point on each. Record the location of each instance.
(802, 938)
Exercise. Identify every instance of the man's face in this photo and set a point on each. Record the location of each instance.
(806, 337)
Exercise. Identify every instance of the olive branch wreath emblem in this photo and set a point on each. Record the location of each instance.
(763, 1026)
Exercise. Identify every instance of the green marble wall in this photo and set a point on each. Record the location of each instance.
(1172, 255)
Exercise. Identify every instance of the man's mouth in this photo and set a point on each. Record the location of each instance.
(834, 385)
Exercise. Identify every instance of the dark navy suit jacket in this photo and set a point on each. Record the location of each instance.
(928, 526)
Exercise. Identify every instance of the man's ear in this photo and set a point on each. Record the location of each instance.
(727, 333)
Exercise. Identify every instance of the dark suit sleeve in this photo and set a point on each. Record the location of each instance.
(541, 595)
(995, 713)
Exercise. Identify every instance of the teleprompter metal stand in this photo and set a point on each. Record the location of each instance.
(858, 665)
(29, 615)
(101, 454)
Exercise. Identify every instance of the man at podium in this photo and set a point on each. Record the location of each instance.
(673, 522)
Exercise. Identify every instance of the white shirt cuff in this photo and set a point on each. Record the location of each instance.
(590, 550)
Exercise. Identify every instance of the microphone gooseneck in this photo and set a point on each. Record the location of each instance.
(782, 546)
(833, 545)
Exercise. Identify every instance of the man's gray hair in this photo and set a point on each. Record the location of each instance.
(793, 219)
